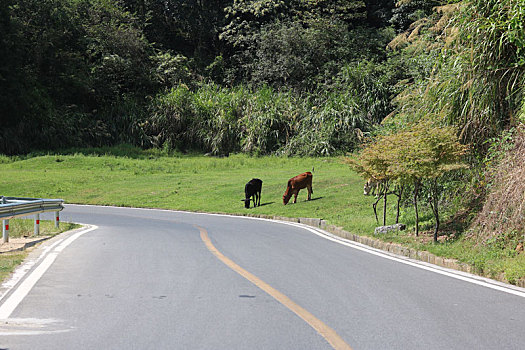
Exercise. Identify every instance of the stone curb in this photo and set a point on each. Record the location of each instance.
(390, 247)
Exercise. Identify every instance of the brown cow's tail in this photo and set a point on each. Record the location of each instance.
(312, 187)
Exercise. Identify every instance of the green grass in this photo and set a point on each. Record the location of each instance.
(193, 183)
(153, 179)
(25, 227)
(9, 262)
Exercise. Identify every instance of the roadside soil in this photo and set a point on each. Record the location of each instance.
(16, 244)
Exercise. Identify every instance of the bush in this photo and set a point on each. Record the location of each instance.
(267, 121)
(221, 120)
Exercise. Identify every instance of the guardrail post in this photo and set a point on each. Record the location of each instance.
(37, 225)
(5, 230)
(13, 207)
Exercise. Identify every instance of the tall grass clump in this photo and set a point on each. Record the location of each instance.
(218, 111)
(174, 121)
(476, 79)
(219, 120)
(268, 120)
(337, 116)
(327, 126)
(491, 61)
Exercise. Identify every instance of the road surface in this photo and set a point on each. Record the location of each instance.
(154, 279)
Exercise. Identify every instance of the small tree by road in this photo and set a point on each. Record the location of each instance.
(419, 155)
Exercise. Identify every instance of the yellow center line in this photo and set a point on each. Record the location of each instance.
(326, 332)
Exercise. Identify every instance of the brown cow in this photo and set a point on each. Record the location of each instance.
(297, 183)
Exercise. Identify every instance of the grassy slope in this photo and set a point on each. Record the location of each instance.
(199, 183)
(194, 183)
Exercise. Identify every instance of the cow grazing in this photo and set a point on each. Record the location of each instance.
(297, 183)
(371, 186)
(252, 190)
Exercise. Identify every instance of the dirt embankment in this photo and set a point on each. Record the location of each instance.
(503, 213)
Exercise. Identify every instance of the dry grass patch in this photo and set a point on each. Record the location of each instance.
(504, 209)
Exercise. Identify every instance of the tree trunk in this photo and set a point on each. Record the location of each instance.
(384, 202)
(400, 194)
(416, 192)
(434, 205)
(379, 196)
(436, 229)
(375, 209)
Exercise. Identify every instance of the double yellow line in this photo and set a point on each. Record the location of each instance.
(326, 332)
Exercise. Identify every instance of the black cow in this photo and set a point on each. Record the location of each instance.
(252, 190)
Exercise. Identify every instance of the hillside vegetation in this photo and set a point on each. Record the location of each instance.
(127, 176)
(422, 96)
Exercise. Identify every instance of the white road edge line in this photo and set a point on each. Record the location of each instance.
(22, 270)
(463, 276)
(485, 282)
(49, 255)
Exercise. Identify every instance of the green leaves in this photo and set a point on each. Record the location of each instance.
(423, 151)
(259, 121)
(491, 52)
(294, 43)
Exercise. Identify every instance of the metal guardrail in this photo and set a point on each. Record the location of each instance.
(13, 207)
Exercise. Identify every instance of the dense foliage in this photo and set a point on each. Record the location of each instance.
(97, 72)
(467, 72)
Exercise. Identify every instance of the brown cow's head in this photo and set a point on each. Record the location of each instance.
(288, 193)
(286, 197)
(246, 202)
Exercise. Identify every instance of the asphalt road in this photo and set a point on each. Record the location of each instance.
(149, 279)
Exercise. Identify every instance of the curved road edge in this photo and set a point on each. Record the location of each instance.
(370, 245)
(13, 291)
(25, 276)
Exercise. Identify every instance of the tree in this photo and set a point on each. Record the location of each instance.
(72, 73)
(379, 12)
(184, 27)
(422, 153)
(277, 39)
(426, 153)
(352, 13)
(39, 70)
(407, 12)
(374, 163)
